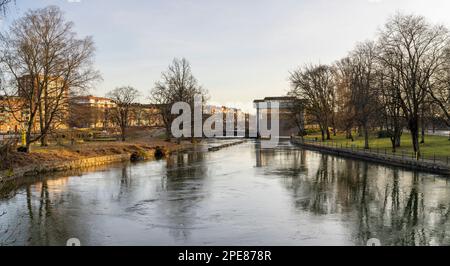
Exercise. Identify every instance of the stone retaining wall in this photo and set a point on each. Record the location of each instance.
(59, 167)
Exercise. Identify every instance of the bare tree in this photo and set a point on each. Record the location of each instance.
(4, 5)
(124, 98)
(315, 84)
(177, 84)
(363, 87)
(415, 49)
(296, 115)
(343, 75)
(45, 63)
(389, 98)
(440, 91)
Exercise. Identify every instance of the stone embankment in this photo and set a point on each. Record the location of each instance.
(44, 168)
(377, 157)
(33, 170)
(92, 161)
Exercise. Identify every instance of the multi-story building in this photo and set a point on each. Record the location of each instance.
(146, 115)
(11, 115)
(236, 114)
(290, 113)
(90, 112)
(97, 112)
(54, 97)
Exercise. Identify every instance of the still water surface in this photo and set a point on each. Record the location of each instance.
(241, 195)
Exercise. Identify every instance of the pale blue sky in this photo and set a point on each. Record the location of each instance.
(239, 50)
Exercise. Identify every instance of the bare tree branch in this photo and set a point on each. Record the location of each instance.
(124, 98)
(45, 63)
(177, 84)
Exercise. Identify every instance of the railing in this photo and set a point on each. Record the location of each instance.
(399, 155)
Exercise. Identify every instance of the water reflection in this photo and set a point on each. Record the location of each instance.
(242, 195)
(400, 208)
(182, 191)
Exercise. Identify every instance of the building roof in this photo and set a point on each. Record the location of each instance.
(142, 105)
(281, 98)
(90, 97)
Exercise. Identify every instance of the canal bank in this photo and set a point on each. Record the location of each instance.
(377, 156)
(67, 163)
(136, 153)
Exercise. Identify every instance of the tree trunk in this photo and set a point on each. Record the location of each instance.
(123, 134)
(28, 141)
(360, 131)
(398, 140)
(168, 137)
(366, 138)
(394, 144)
(423, 125)
(44, 141)
(348, 134)
(422, 141)
(414, 129)
(323, 134)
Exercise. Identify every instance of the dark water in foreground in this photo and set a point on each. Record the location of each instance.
(237, 196)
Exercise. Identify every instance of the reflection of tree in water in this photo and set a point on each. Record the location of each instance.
(42, 220)
(125, 182)
(50, 219)
(36, 215)
(182, 191)
(39, 222)
(394, 211)
(386, 205)
(318, 202)
(6, 229)
(443, 224)
(312, 193)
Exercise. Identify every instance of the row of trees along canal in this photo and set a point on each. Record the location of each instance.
(44, 47)
(400, 80)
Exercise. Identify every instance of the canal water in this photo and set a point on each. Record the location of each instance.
(241, 195)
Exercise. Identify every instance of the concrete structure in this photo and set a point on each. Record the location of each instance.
(290, 111)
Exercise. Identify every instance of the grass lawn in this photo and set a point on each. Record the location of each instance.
(438, 146)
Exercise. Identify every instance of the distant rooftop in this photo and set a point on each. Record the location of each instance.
(90, 97)
(281, 98)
